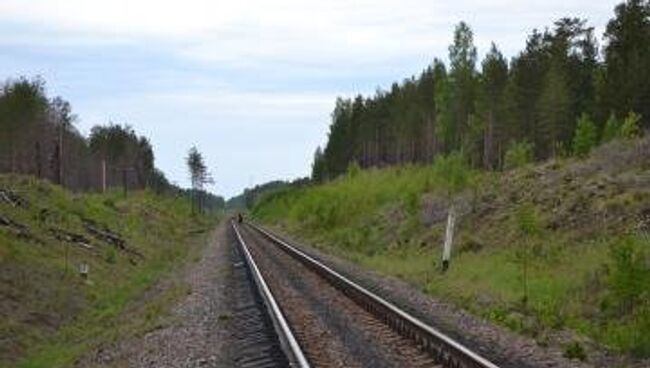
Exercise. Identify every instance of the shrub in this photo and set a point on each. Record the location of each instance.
(353, 169)
(612, 128)
(575, 351)
(585, 136)
(629, 279)
(452, 172)
(528, 223)
(518, 155)
(630, 127)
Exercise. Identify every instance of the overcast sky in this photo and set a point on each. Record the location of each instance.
(250, 83)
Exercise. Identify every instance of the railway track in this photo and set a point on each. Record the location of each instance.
(324, 319)
(264, 340)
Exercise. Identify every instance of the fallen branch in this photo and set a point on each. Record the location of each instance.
(12, 198)
(67, 236)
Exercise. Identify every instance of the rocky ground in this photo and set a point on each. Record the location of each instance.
(503, 347)
(197, 332)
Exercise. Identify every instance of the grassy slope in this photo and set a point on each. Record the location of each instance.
(49, 314)
(589, 270)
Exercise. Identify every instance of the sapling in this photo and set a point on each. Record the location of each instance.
(528, 224)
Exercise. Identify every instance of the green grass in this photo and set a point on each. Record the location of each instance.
(51, 315)
(376, 218)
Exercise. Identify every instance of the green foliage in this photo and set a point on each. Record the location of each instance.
(554, 108)
(612, 128)
(574, 350)
(627, 60)
(630, 274)
(353, 169)
(39, 138)
(199, 176)
(538, 97)
(491, 106)
(319, 166)
(452, 172)
(76, 316)
(630, 127)
(518, 155)
(585, 137)
(528, 221)
(378, 219)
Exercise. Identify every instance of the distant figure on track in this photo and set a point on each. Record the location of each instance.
(240, 218)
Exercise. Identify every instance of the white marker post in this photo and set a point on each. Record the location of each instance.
(449, 238)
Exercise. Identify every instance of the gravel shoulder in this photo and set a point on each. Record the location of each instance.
(197, 331)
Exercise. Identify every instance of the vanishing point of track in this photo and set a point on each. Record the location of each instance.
(323, 319)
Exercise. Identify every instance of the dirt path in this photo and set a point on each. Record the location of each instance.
(197, 333)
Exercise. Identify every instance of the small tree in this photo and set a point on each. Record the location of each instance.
(585, 136)
(199, 177)
(353, 170)
(630, 127)
(528, 225)
(454, 176)
(518, 155)
(612, 128)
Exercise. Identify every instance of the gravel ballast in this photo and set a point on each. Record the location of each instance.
(503, 347)
(197, 333)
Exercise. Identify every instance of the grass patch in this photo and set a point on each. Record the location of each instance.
(51, 314)
(588, 272)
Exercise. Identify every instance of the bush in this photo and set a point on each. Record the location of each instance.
(518, 155)
(353, 169)
(630, 127)
(585, 136)
(452, 172)
(612, 129)
(575, 351)
(629, 279)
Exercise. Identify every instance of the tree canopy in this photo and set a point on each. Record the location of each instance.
(536, 97)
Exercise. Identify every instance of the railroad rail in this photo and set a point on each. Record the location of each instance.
(288, 342)
(445, 351)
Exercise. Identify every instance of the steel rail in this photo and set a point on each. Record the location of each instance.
(288, 342)
(447, 351)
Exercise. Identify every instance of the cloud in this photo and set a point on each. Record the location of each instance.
(311, 32)
(251, 82)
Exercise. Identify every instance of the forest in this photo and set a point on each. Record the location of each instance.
(39, 138)
(560, 95)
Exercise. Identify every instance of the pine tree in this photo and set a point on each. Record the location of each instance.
(612, 129)
(554, 112)
(627, 60)
(462, 57)
(585, 136)
(318, 173)
(491, 106)
(199, 177)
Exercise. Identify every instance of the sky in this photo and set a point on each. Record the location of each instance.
(250, 83)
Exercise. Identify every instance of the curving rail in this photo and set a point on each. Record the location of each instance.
(446, 351)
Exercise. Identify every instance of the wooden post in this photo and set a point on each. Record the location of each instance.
(449, 238)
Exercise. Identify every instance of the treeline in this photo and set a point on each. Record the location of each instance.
(535, 99)
(38, 137)
(248, 198)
